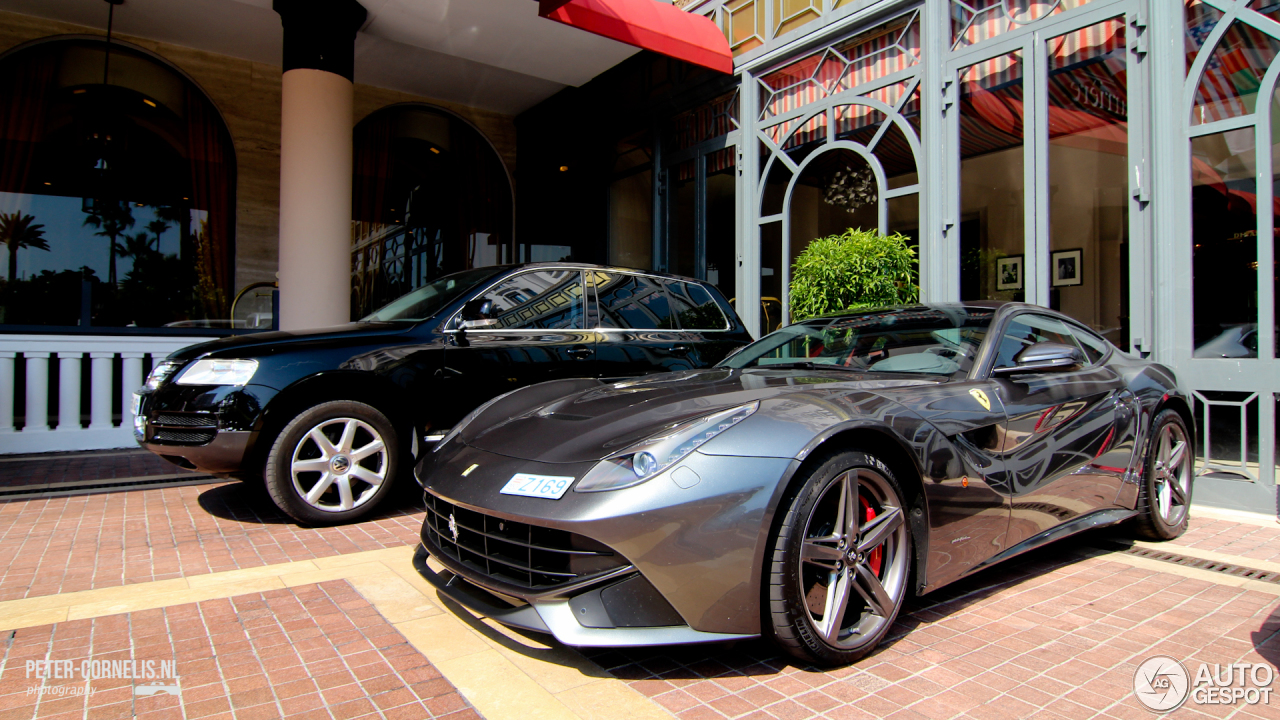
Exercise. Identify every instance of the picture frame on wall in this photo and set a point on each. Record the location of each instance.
(1009, 273)
(1066, 268)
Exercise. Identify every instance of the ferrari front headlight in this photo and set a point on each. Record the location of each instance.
(218, 372)
(655, 454)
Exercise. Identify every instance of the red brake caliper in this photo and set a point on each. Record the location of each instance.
(877, 555)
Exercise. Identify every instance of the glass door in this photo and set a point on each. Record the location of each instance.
(1048, 206)
(699, 214)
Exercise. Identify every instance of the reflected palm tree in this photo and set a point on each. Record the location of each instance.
(157, 228)
(17, 231)
(112, 219)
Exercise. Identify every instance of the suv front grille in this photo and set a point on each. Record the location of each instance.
(201, 420)
(184, 429)
(515, 553)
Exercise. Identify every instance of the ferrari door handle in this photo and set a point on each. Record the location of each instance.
(680, 349)
(580, 352)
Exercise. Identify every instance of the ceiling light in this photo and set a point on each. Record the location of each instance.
(564, 168)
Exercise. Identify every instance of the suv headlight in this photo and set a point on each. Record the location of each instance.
(160, 373)
(218, 372)
(651, 456)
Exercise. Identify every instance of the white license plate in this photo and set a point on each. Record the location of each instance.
(552, 487)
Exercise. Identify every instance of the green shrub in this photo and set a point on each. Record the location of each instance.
(858, 269)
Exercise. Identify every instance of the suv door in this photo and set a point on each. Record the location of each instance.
(638, 327)
(539, 335)
(702, 322)
(1058, 425)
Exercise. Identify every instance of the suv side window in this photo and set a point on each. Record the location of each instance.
(694, 307)
(1027, 330)
(632, 301)
(539, 300)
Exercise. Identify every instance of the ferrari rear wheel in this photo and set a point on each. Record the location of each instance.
(1164, 498)
(841, 561)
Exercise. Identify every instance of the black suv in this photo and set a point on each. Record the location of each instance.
(330, 417)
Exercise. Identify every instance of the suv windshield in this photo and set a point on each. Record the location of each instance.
(933, 340)
(428, 299)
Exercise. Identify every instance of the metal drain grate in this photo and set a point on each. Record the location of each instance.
(1202, 564)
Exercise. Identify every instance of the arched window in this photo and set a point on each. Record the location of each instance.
(117, 191)
(430, 197)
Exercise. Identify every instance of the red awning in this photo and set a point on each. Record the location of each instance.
(647, 24)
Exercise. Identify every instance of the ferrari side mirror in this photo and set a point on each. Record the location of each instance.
(1043, 357)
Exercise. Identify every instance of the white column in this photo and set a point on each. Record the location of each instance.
(69, 391)
(130, 378)
(37, 391)
(315, 199)
(7, 394)
(100, 391)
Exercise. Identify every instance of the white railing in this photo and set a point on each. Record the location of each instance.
(115, 366)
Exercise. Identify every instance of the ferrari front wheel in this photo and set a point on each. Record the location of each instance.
(841, 561)
(1164, 497)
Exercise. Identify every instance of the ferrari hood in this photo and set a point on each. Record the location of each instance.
(592, 424)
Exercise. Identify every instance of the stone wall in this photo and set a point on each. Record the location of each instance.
(248, 95)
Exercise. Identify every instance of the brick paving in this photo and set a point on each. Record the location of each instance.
(1054, 634)
(1047, 636)
(17, 472)
(312, 652)
(1250, 541)
(84, 542)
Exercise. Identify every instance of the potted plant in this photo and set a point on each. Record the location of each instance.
(853, 270)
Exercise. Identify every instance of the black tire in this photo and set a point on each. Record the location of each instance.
(880, 558)
(1164, 497)
(293, 472)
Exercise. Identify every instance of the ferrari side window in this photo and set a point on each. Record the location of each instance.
(1095, 348)
(543, 300)
(1027, 330)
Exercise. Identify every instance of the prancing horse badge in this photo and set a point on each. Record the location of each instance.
(981, 397)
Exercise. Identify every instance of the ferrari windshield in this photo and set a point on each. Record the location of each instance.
(920, 339)
(428, 299)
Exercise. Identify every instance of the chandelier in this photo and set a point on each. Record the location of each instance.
(851, 189)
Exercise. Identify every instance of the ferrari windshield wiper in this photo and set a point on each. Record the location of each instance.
(808, 365)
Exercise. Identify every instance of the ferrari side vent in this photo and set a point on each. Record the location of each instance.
(520, 554)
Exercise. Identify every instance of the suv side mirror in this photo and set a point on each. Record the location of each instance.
(1043, 357)
(475, 314)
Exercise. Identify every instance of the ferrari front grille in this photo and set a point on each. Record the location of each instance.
(514, 553)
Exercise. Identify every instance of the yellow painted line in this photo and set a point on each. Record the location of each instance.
(1239, 516)
(505, 674)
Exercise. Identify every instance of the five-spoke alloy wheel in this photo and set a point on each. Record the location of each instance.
(333, 462)
(841, 561)
(1165, 494)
